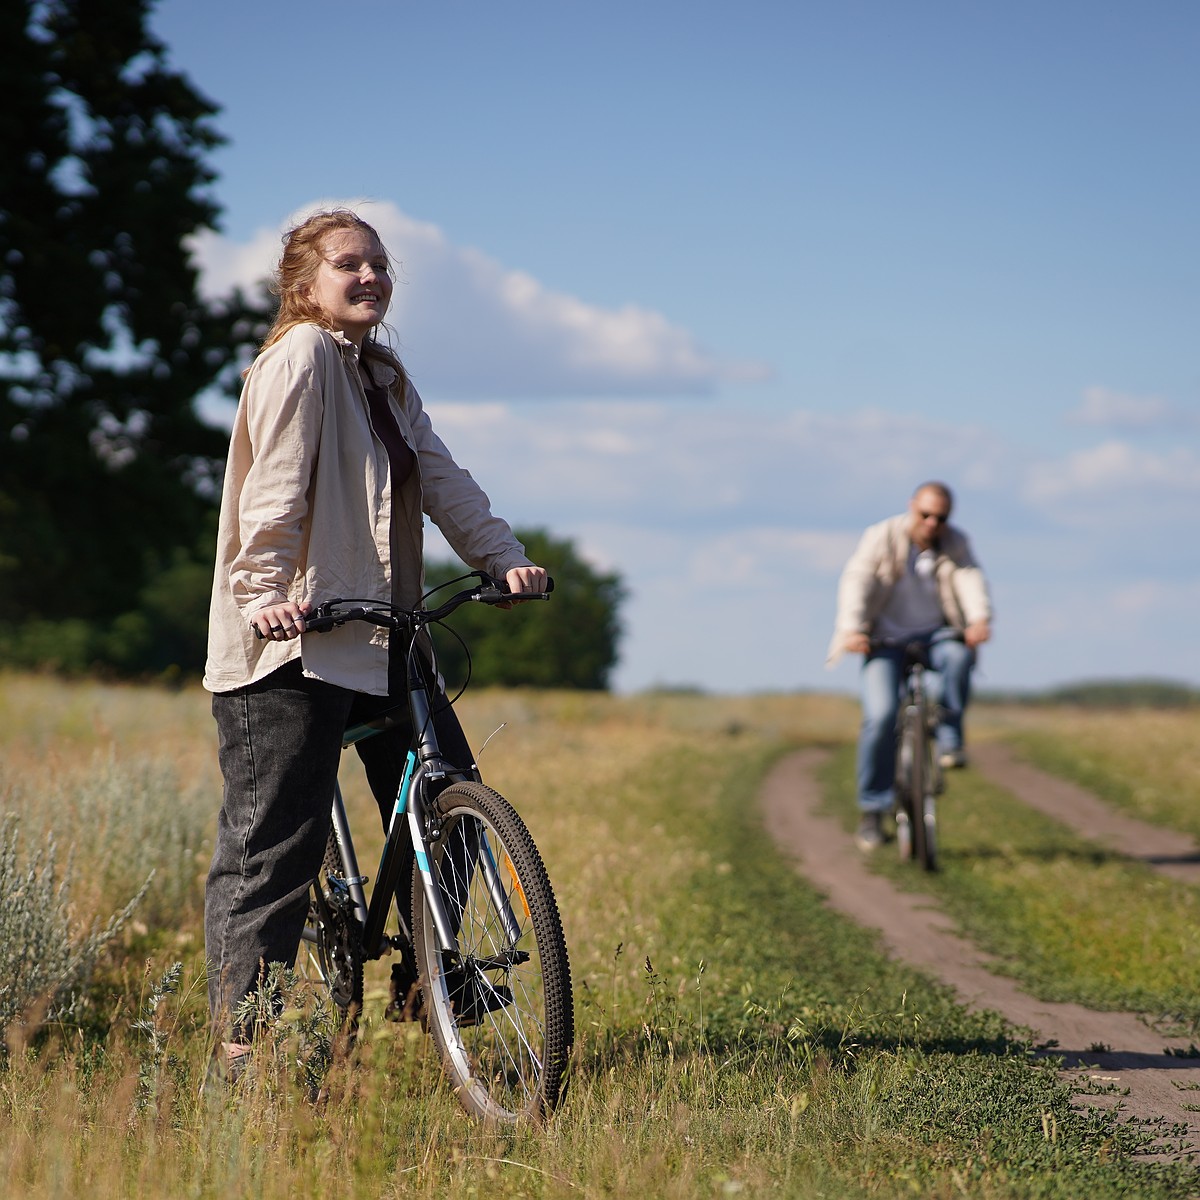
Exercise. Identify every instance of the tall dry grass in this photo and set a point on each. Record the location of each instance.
(735, 1038)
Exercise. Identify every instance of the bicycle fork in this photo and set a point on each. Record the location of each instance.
(478, 856)
(372, 918)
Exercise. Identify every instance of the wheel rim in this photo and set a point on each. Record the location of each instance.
(903, 835)
(499, 1059)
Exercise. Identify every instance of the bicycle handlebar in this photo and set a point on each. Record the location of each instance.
(916, 650)
(327, 615)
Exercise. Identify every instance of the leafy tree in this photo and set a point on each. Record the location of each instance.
(106, 467)
(570, 642)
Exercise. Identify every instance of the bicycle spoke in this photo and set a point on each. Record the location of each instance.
(500, 1006)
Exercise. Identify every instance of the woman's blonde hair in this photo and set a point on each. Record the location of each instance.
(303, 253)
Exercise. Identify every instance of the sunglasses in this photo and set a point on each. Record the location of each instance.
(940, 518)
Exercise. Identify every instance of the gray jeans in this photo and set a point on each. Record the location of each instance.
(280, 743)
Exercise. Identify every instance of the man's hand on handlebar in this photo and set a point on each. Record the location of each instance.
(977, 633)
(856, 643)
(281, 622)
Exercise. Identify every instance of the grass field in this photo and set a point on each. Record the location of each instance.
(735, 1037)
(1143, 761)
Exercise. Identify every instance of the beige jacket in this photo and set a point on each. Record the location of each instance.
(308, 509)
(881, 558)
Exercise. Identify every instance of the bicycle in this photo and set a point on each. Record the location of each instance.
(493, 980)
(919, 778)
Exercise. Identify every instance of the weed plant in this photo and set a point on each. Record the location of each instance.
(46, 959)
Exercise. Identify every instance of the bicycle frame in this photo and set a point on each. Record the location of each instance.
(425, 770)
(918, 703)
(916, 695)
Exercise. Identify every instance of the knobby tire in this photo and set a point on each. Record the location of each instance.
(905, 751)
(502, 1015)
(921, 787)
(917, 785)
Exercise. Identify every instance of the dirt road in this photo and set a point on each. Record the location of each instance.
(914, 930)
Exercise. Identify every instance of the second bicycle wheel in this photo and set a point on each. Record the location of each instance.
(917, 740)
(499, 1006)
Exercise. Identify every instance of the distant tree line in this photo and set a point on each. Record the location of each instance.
(109, 474)
(1105, 693)
(568, 642)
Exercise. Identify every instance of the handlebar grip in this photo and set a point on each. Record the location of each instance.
(313, 624)
(501, 586)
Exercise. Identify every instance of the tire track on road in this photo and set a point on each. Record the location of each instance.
(1166, 851)
(914, 930)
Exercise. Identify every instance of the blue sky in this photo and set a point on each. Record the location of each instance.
(709, 288)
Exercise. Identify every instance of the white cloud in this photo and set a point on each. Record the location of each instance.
(225, 265)
(1108, 473)
(754, 556)
(1142, 597)
(730, 530)
(476, 329)
(1117, 410)
(686, 463)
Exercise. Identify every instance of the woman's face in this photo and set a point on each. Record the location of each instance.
(353, 286)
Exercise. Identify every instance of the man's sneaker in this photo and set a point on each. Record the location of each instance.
(869, 834)
(951, 760)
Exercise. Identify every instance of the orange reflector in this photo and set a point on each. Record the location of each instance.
(508, 862)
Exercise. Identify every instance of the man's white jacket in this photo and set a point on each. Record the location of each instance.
(879, 562)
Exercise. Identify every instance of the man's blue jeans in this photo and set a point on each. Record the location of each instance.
(882, 680)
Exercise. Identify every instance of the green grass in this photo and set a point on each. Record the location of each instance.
(1143, 761)
(1069, 919)
(736, 1037)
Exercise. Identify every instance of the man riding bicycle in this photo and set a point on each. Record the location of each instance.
(912, 578)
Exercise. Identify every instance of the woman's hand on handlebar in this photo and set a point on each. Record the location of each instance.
(281, 622)
(524, 581)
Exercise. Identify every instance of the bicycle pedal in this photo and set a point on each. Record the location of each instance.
(406, 1003)
(408, 1008)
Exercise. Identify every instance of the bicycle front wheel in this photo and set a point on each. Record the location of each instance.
(499, 1006)
(903, 801)
(920, 793)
